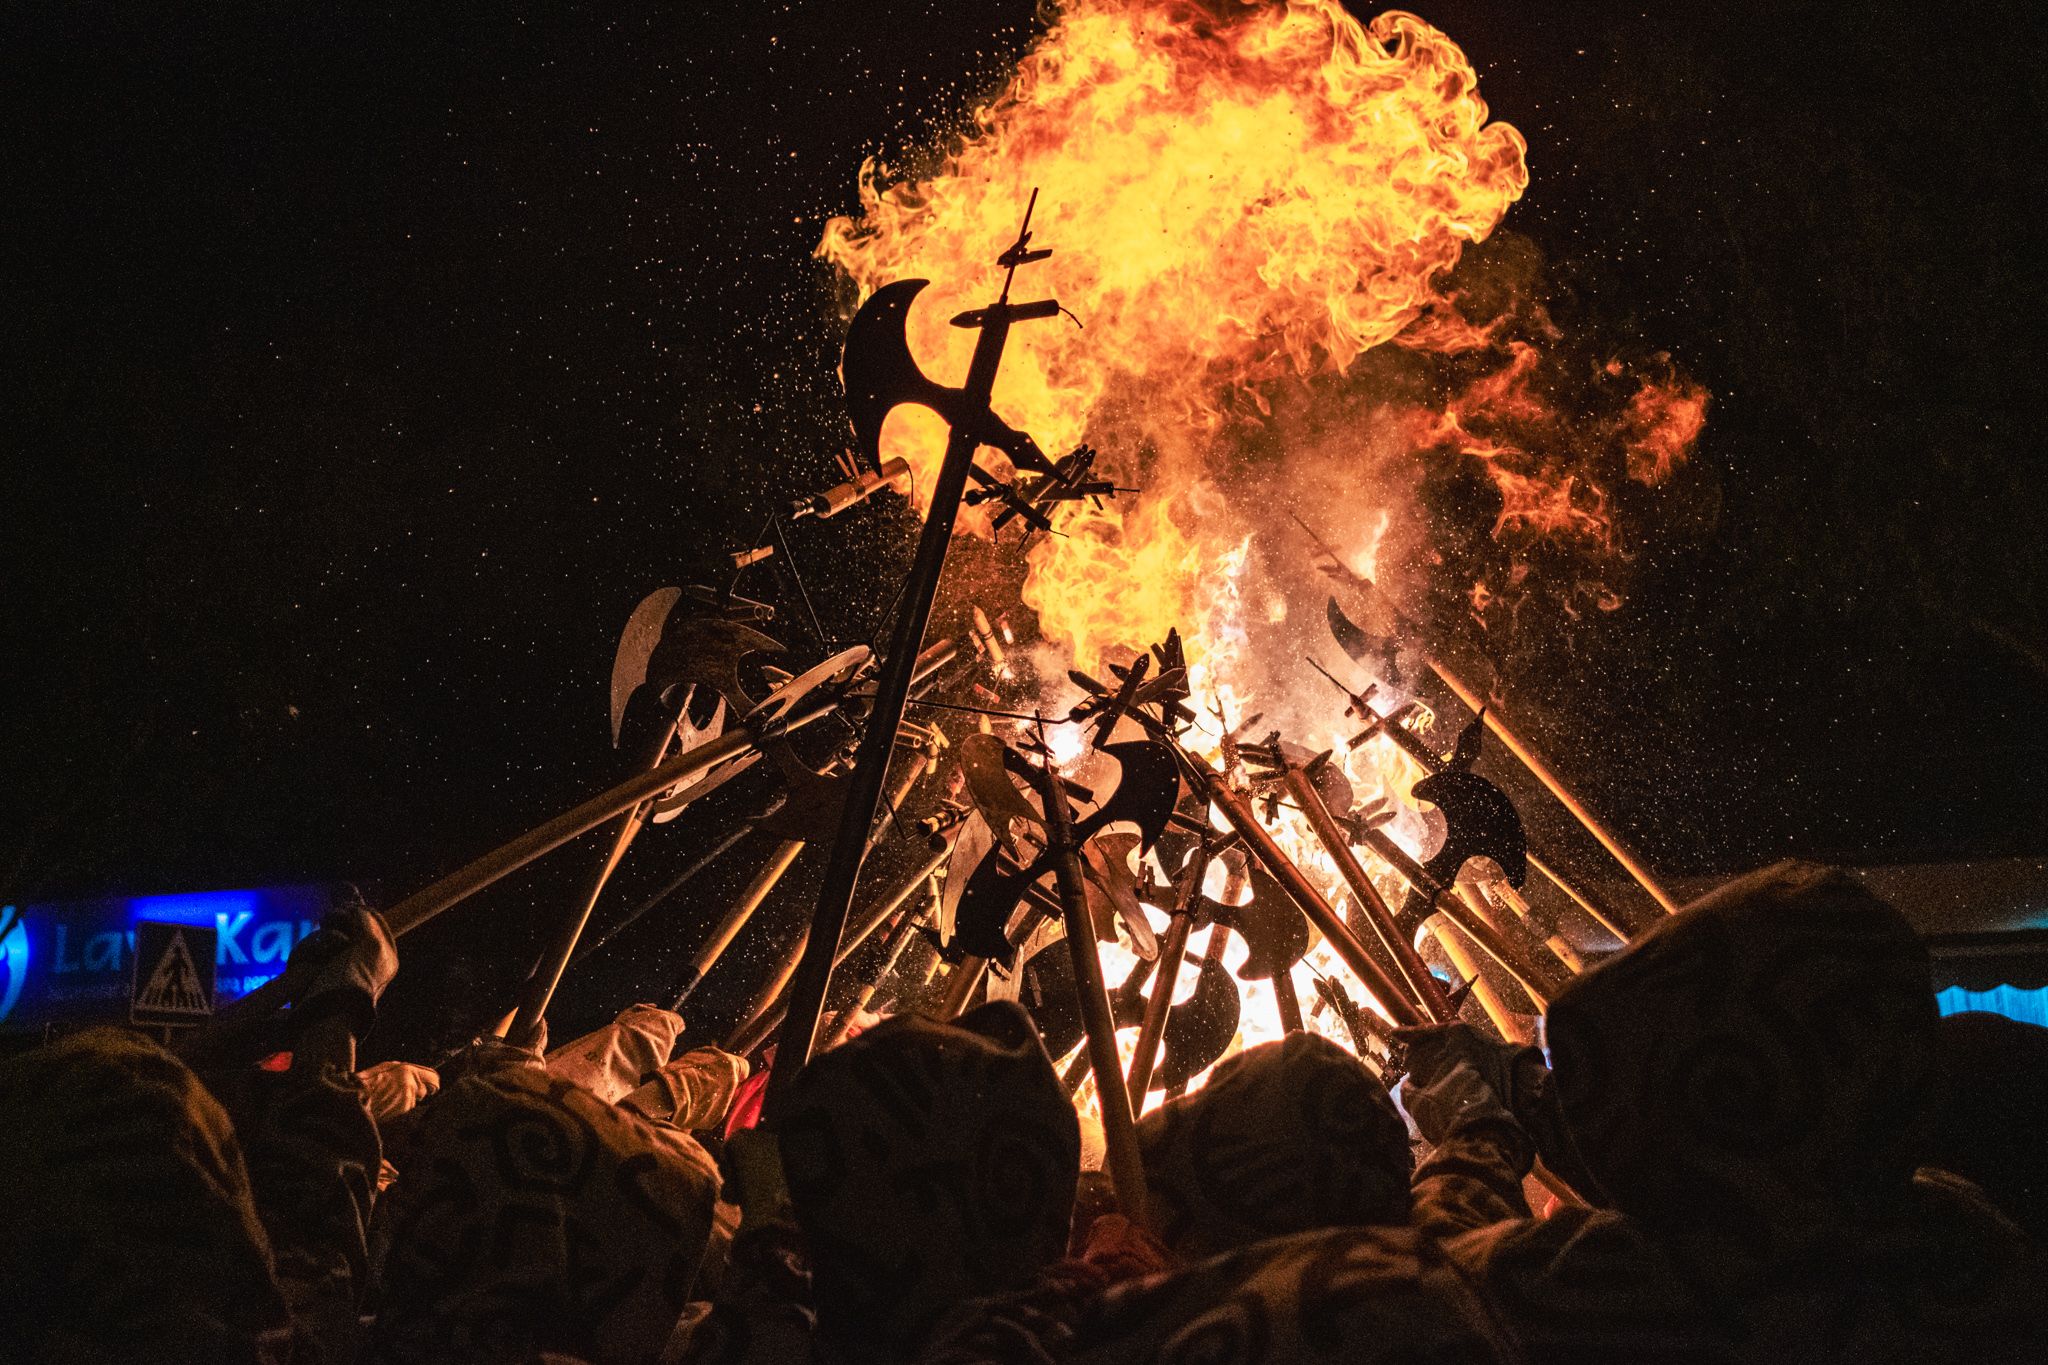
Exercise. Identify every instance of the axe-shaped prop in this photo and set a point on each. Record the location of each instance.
(786, 710)
(675, 658)
(880, 375)
(1276, 935)
(1432, 887)
(1497, 723)
(1238, 812)
(1377, 723)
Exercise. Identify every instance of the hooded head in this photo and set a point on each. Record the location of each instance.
(531, 1216)
(1754, 1072)
(927, 1163)
(1289, 1136)
(130, 1230)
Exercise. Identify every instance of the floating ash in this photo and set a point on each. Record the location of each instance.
(1262, 217)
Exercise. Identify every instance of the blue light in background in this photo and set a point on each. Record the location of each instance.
(208, 909)
(13, 957)
(73, 962)
(2029, 1007)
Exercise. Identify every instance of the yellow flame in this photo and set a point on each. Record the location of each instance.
(1242, 198)
(1234, 194)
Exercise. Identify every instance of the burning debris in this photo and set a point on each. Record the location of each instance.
(1251, 203)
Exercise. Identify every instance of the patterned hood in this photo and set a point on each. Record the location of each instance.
(130, 1231)
(927, 1163)
(1289, 1136)
(1754, 1073)
(532, 1216)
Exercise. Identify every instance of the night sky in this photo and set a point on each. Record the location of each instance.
(366, 367)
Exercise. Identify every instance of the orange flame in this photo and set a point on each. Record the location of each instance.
(1664, 421)
(1244, 199)
(1235, 194)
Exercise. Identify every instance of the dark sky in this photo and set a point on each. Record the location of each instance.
(368, 365)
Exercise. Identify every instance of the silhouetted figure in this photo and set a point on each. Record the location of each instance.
(926, 1164)
(1289, 1136)
(531, 1216)
(130, 1230)
(1749, 1086)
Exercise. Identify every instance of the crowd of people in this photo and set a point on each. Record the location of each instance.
(1756, 1142)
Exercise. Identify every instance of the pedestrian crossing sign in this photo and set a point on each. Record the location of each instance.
(174, 970)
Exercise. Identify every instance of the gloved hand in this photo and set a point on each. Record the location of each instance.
(693, 1091)
(1457, 1077)
(341, 969)
(395, 1088)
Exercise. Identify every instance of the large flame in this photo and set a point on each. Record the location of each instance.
(1245, 202)
(1234, 194)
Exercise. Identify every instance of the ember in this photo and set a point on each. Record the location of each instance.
(1249, 203)
(1120, 712)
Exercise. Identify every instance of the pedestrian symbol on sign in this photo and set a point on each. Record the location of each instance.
(174, 968)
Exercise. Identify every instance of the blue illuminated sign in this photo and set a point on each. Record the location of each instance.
(70, 963)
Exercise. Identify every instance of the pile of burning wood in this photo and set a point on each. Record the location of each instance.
(1066, 845)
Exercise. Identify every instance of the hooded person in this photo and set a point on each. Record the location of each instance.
(303, 1119)
(1748, 1086)
(529, 1216)
(131, 1231)
(1284, 1185)
(1285, 1137)
(925, 1164)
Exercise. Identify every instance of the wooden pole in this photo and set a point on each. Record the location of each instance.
(416, 909)
(1498, 902)
(674, 884)
(762, 1015)
(1541, 772)
(1287, 1001)
(735, 918)
(1172, 949)
(860, 934)
(1430, 761)
(961, 983)
(1261, 844)
(1424, 990)
(1494, 721)
(878, 741)
(547, 972)
(898, 939)
(1527, 959)
(1601, 916)
(1119, 1129)
(735, 746)
(1212, 956)
(1455, 948)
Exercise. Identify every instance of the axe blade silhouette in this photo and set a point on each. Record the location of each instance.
(880, 375)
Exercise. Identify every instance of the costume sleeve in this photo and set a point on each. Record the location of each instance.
(314, 1156)
(611, 1061)
(1473, 1179)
